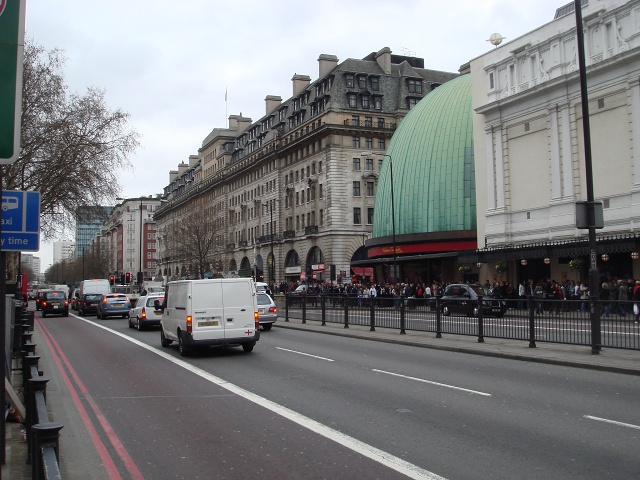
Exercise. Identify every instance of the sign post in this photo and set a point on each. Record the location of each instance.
(20, 221)
(11, 56)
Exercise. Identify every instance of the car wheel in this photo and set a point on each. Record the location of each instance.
(267, 327)
(44, 315)
(182, 348)
(81, 313)
(445, 310)
(66, 314)
(130, 323)
(247, 347)
(98, 314)
(140, 327)
(125, 316)
(163, 340)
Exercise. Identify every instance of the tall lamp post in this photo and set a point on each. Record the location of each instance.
(140, 274)
(272, 267)
(393, 211)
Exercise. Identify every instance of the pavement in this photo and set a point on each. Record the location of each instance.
(609, 359)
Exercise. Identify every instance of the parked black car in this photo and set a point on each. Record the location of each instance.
(88, 303)
(54, 302)
(462, 298)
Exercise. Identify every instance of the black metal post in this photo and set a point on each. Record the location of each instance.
(594, 274)
(402, 312)
(532, 325)
(480, 321)
(346, 311)
(304, 307)
(372, 314)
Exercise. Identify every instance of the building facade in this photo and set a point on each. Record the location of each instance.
(529, 145)
(89, 223)
(290, 197)
(129, 238)
(63, 250)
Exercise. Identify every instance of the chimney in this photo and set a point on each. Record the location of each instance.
(182, 168)
(193, 160)
(383, 57)
(300, 82)
(233, 122)
(173, 174)
(327, 63)
(272, 102)
(243, 123)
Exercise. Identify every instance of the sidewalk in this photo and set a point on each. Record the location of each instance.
(611, 360)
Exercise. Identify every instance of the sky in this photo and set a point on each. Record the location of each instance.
(170, 64)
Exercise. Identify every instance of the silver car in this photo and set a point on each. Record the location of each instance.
(144, 314)
(267, 311)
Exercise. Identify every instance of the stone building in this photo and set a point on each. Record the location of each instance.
(290, 197)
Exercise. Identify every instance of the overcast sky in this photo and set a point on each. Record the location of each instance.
(169, 63)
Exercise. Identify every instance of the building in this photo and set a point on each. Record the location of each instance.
(32, 262)
(128, 239)
(529, 146)
(89, 223)
(63, 250)
(290, 197)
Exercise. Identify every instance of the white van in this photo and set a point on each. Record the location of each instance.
(211, 312)
(95, 285)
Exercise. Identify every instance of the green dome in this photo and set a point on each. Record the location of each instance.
(433, 170)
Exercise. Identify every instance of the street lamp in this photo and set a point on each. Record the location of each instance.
(140, 274)
(393, 211)
(272, 267)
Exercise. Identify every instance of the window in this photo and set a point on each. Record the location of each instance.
(380, 163)
(355, 121)
(368, 122)
(370, 191)
(491, 81)
(297, 222)
(356, 189)
(377, 103)
(321, 217)
(381, 144)
(356, 164)
(355, 142)
(349, 79)
(365, 101)
(375, 83)
(297, 178)
(380, 122)
(362, 82)
(297, 198)
(370, 216)
(411, 102)
(368, 143)
(368, 164)
(356, 216)
(302, 196)
(353, 100)
(320, 166)
(320, 191)
(415, 86)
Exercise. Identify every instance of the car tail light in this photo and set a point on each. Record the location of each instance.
(273, 310)
(257, 320)
(143, 314)
(189, 323)
(43, 304)
(66, 302)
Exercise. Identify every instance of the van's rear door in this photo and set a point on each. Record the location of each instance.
(239, 308)
(207, 308)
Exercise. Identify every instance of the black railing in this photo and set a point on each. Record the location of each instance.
(532, 320)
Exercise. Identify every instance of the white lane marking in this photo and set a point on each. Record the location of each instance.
(306, 354)
(395, 463)
(622, 424)
(433, 383)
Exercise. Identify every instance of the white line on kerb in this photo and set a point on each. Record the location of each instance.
(395, 463)
(622, 424)
(475, 392)
(306, 354)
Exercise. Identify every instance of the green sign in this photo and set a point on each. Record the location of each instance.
(11, 56)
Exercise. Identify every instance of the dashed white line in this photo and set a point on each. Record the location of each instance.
(475, 392)
(622, 424)
(305, 354)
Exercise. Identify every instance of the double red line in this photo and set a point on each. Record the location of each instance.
(77, 388)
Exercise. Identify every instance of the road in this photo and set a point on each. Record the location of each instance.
(318, 406)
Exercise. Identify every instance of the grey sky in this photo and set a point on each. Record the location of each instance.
(168, 63)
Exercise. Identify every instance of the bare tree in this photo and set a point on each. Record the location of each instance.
(193, 237)
(73, 147)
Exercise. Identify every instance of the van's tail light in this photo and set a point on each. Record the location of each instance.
(189, 323)
(257, 320)
(143, 314)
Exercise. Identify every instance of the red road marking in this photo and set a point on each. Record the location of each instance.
(111, 468)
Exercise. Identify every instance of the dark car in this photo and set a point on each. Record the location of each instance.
(113, 305)
(39, 296)
(462, 298)
(54, 303)
(88, 303)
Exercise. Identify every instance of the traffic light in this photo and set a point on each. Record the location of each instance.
(112, 280)
(122, 279)
(127, 278)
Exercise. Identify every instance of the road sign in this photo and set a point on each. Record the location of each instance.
(11, 56)
(20, 221)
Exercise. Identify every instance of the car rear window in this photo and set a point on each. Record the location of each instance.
(263, 299)
(152, 300)
(55, 296)
(118, 299)
(92, 298)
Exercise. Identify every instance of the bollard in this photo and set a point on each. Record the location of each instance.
(44, 435)
(28, 361)
(304, 309)
(346, 311)
(324, 309)
(372, 315)
(438, 318)
(480, 321)
(29, 318)
(402, 313)
(33, 387)
(532, 326)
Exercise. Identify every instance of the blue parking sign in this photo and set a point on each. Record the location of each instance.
(20, 225)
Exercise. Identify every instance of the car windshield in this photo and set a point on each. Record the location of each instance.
(151, 301)
(264, 299)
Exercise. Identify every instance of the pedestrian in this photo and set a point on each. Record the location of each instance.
(605, 295)
(636, 301)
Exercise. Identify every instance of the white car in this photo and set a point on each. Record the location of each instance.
(144, 314)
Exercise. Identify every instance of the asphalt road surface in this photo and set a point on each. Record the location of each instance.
(305, 405)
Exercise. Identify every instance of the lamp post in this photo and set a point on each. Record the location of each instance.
(393, 211)
(140, 274)
(273, 260)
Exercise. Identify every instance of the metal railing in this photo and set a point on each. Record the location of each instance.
(531, 319)
(43, 436)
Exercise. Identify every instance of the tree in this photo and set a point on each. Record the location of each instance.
(192, 239)
(73, 148)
